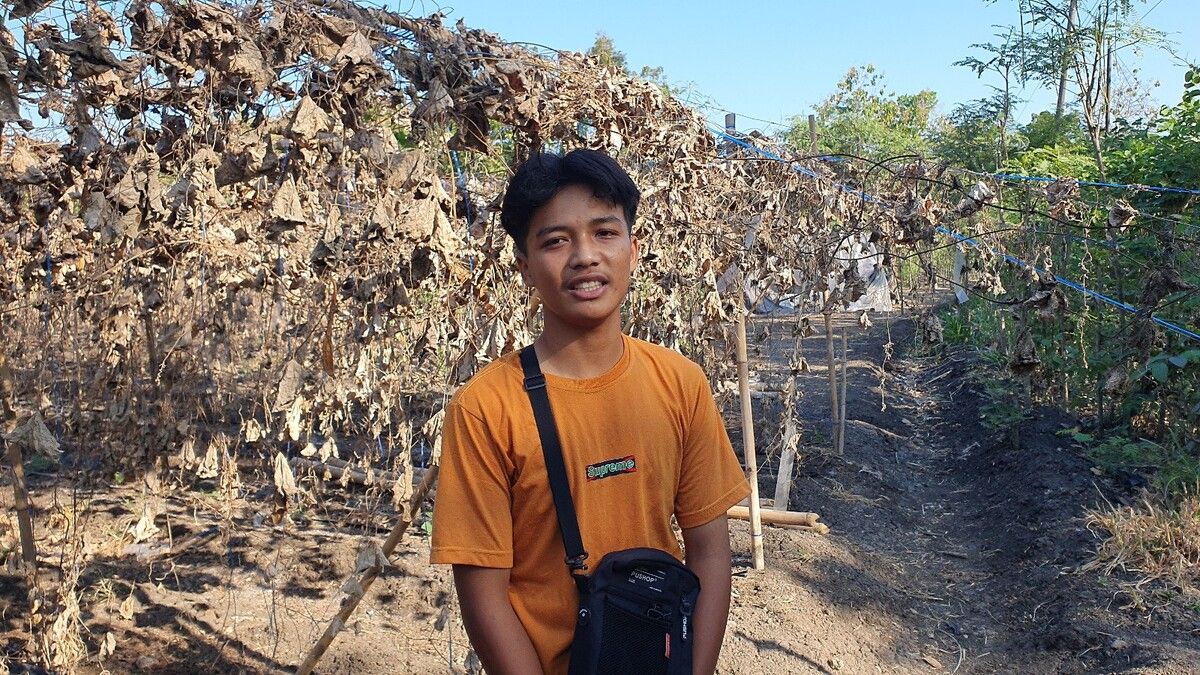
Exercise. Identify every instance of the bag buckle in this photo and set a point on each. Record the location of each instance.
(576, 563)
(535, 382)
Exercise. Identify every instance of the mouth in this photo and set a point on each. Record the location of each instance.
(587, 289)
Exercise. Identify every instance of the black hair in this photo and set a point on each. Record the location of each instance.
(545, 174)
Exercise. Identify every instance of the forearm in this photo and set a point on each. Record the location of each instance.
(709, 557)
(496, 634)
(501, 643)
(712, 611)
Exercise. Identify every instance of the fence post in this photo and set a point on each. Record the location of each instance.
(831, 367)
(22, 505)
(756, 537)
(743, 366)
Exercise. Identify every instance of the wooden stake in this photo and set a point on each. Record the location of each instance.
(842, 400)
(756, 541)
(775, 517)
(23, 506)
(783, 480)
(152, 365)
(350, 602)
(833, 385)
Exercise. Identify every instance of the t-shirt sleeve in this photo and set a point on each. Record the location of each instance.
(711, 479)
(472, 514)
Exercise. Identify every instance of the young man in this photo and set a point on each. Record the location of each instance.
(641, 435)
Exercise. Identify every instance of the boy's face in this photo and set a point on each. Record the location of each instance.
(579, 255)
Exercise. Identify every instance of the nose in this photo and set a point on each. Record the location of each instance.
(585, 253)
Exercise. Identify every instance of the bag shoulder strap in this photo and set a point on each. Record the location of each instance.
(560, 489)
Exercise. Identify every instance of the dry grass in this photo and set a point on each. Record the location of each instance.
(840, 493)
(1151, 540)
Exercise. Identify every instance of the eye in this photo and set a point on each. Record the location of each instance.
(553, 241)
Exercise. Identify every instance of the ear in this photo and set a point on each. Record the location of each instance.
(633, 253)
(523, 267)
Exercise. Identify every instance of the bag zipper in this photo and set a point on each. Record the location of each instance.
(685, 608)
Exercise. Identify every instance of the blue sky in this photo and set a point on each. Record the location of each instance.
(772, 60)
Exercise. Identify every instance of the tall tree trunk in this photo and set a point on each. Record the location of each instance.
(1004, 119)
(1097, 149)
(1089, 74)
(1072, 11)
(1108, 89)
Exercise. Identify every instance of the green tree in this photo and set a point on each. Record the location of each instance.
(1045, 129)
(971, 135)
(1166, 151)
(606, 54)
(1000, 60)
(862, 117)
(1055, 146)
(1057, 161)
(1066, 44)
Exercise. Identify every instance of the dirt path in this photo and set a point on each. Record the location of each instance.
(951, 551)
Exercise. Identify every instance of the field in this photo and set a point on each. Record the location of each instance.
(249, 251)
(939, 559)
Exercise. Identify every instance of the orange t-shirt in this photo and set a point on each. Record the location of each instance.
(641, 443)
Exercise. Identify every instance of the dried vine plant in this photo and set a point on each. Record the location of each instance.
(240, 220)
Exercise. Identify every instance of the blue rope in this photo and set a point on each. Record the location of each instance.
(1074, 285)
(998, 176)
(800, 168)
(967, 240)
(1092, 183)
(1012, 176)
(461, 181)
(1044, 179)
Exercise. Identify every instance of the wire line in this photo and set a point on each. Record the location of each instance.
(967, 240)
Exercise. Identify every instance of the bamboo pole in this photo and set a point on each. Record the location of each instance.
(790, 518)
(842, 399)
(368, 576)
(833, 385)
(756, 540)
(23, 506)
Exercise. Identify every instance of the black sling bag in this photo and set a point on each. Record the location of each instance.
(635, 610)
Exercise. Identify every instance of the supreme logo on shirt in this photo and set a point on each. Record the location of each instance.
(612, 467)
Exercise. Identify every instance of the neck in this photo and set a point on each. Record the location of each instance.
(568, 351)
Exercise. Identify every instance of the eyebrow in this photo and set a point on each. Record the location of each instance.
(599, 220)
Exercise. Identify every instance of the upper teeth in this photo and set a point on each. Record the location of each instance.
(588, 286)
